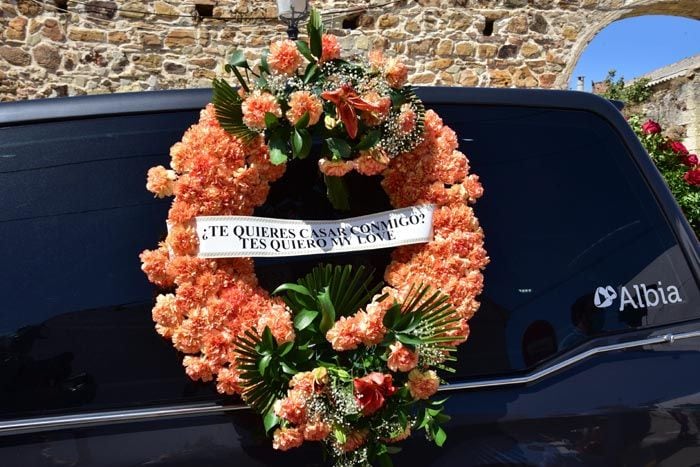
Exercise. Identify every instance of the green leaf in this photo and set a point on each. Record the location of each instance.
(337, 193)
(423, 419)
(237, 59)
(339, 436)
(344, 375)
(393, 449)
(301, 143)
(383, 460)
(278, 149)
(439, 402)
(263, 62)
(284, 349)
(288, 369)
(339, 148)
(315, 30)
(369, 140)
(294, 288)
(303, 319)
(440, 436)
(271, 120)
(270, 421)
(263, 363)
(304, 49)
(442, 418)
(311, 73)
(406, 339)
(392, 316)
(305, 143)
(297, 143)
(327, 311)
(241, 80)
(403, 419)
(303, 122)
(268, 340)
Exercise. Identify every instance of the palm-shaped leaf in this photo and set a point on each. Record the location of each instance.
(264, 370)
(347, 288)
(227, 103)
(409, 95)
(424, 318)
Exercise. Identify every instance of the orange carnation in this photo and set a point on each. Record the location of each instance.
(292, 408)
(256, 105)
(344, 335)
(334, 168)
(316, 431)
(422, 385)
(368, 164)
(331, 48)
(396, 73)
(301, 102)
(401, 358)
(354, 440)
(161, 181)
(285, 439)
(284, 57)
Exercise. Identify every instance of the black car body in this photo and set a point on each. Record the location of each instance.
(585, 350)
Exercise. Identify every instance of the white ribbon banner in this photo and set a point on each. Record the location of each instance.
(239, 236)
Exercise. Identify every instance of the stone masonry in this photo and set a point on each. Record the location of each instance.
(674, 101)
(71, 47)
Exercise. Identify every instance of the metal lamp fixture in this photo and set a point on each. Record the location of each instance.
(291, 12)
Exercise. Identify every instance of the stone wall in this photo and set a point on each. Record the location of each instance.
(675, 104)
(99, 46)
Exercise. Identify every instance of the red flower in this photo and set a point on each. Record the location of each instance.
(371, 391)
(692, 177)
(346, 101)
(650, 127)
(690, 160)
(677, 147)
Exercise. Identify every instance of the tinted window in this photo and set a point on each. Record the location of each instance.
(565, 212)
(75, 325)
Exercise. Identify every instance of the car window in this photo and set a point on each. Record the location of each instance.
(569, 224)
(75, 324)
(579, 247)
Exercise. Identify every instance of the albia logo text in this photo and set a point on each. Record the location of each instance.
(637, 296)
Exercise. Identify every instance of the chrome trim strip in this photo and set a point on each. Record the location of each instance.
(32, 425)
(544, 372)
(61, 422)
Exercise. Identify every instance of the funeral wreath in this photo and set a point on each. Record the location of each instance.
(336, 357)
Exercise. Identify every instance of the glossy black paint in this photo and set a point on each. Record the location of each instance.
(629, 408)
(634, 407)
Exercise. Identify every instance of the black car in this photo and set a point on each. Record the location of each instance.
(585, 350)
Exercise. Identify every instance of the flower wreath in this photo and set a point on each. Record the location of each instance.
(332, 358)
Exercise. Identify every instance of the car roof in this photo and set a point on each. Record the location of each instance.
(61, 108)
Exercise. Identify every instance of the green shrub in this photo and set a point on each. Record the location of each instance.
(679, 168)
(616, 89)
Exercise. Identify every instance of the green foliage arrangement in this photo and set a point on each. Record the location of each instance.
(356, 385)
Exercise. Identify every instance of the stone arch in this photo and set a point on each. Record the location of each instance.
(615, 10)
